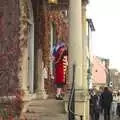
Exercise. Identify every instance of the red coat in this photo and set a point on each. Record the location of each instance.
(60, 66)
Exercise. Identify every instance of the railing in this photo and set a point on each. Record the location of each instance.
(71, 103)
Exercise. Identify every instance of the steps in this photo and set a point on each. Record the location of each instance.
(50, 109)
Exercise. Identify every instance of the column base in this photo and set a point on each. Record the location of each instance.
(81, 104)
(28, 96)
(41, 94)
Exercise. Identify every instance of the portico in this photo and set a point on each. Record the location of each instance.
(77, 56)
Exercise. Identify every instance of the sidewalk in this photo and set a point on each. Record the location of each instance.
(112, 117)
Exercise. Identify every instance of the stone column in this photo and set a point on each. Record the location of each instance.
(77, 56)
(85, 93)
(41, 75)
(23, 74)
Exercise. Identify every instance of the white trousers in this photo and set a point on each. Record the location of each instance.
(114, 108)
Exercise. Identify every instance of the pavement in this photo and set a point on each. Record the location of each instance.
(112, 117)
(50, 109)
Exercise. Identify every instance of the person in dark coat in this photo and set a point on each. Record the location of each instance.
(95, 102)
(118, 104)
(91, 104)
(106, 101)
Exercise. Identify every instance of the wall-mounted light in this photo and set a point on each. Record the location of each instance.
(90, 23)
(53, 1)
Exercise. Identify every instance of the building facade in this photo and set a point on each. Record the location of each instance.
(27, 40)
(115, 79)
(100, 72)
(9, 46)
(29, 30)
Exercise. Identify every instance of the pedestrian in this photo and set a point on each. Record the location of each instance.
(106, 101)
(114, 103)
(96, 105)
(60, 62)
(118, 103)
(92, 93)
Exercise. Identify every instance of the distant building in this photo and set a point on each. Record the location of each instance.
(115, 78)
(100, 71)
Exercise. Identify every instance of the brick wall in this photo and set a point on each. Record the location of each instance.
(9, 46)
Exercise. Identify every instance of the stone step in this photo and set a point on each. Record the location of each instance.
(30, 116)
(45, 102)
(47, 118)
(50, 109)
(54, 106)
(44, 115)
(55, 109)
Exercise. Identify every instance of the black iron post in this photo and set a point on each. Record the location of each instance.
(81, 117)
(71, 104)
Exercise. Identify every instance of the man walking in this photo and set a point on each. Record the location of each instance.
(106, 101)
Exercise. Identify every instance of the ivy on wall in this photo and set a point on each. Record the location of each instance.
(58, 18)
(9, 46)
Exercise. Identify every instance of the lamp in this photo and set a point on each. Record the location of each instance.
(53, 1)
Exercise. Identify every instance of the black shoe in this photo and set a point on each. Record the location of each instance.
(62, 94)
(59, 97)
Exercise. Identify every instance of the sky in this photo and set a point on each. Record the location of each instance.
(106, 39)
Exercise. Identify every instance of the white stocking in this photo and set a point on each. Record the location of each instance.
(58, 91)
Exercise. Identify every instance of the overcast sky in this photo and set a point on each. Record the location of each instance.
(106, 39)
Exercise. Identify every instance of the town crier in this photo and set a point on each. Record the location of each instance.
(61, 63)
